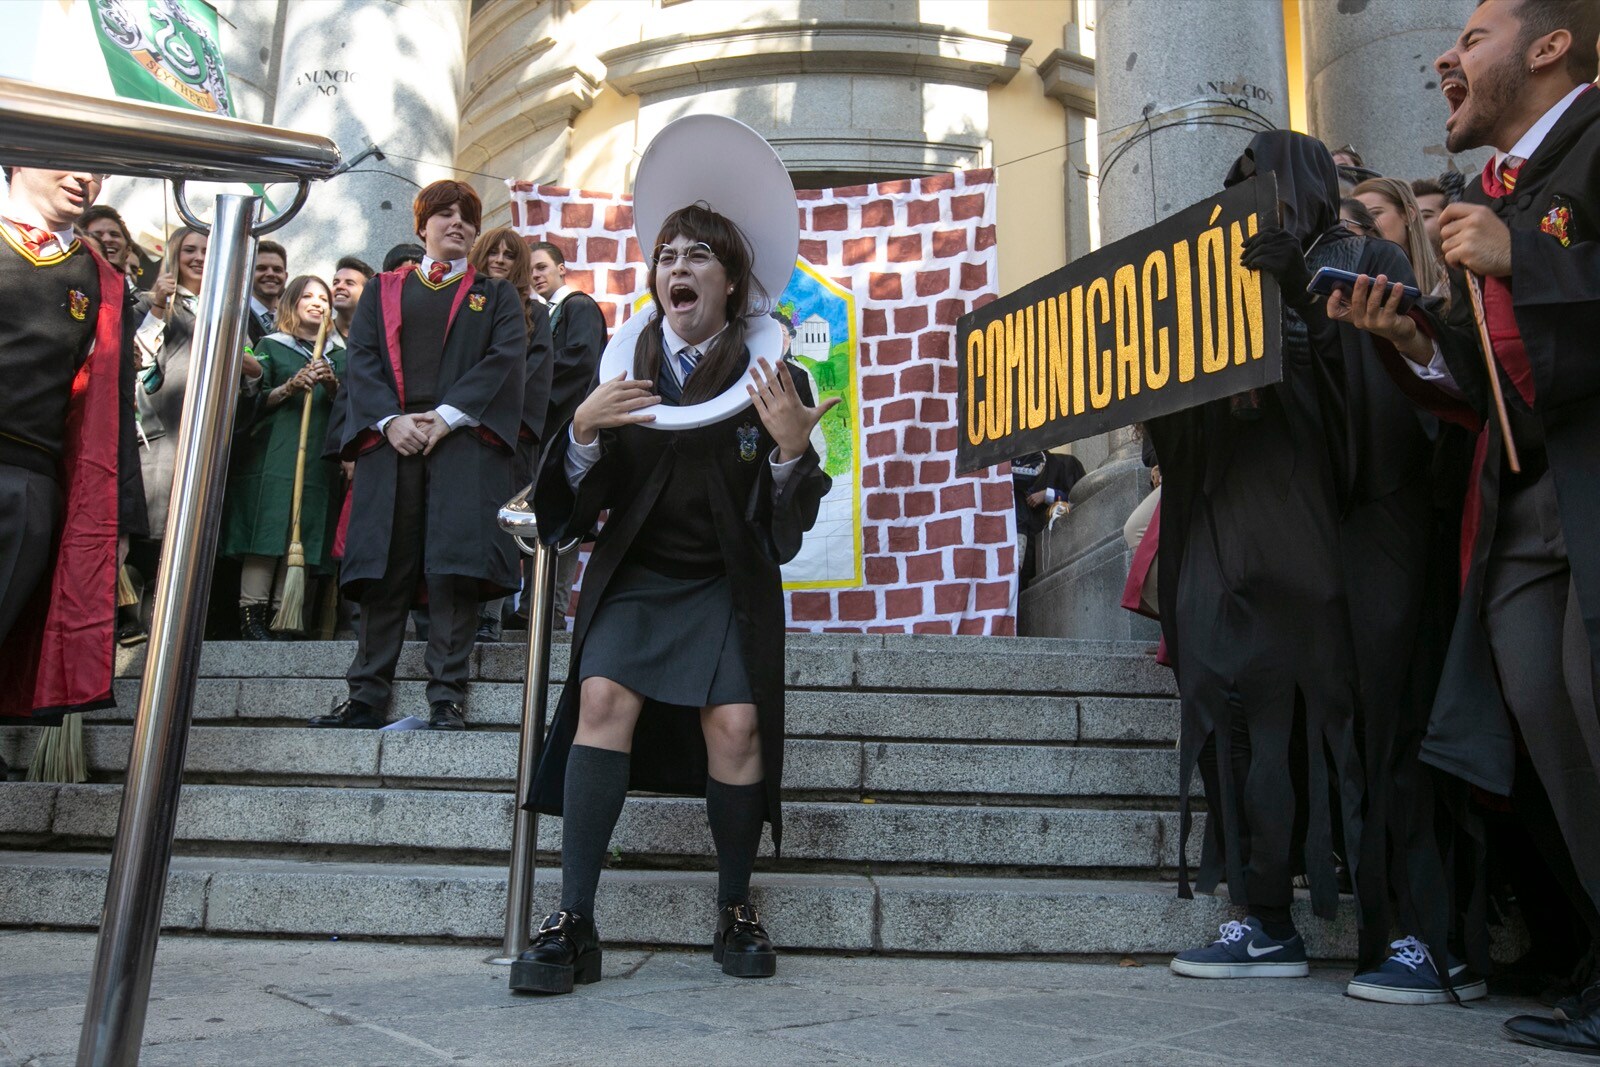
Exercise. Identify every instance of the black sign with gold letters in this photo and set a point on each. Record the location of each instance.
(1160, 321)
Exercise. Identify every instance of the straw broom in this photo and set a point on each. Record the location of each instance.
(291, 611)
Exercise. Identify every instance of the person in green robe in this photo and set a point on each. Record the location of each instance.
(260, 500)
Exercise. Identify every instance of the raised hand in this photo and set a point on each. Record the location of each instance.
(1277, 251)
(620, 402)
(1373, 305)
(1475, 239)
(782, 412)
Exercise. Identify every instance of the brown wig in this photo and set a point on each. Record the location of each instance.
(174, 246)
(439, 195)
(726, 357)
(289, 304)
(521, 276)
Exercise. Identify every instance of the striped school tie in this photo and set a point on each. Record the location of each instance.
(1508, 173)
(686, 361)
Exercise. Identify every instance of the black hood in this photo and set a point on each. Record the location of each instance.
(1308, 181)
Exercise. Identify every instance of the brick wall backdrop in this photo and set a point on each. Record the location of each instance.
(940, 549)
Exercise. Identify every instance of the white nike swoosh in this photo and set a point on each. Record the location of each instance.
(1256, 953)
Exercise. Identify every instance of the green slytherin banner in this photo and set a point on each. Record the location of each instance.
(164, 52)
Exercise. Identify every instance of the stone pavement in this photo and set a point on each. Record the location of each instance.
(238, 1002)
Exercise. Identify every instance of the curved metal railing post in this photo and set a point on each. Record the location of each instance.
(49, 128)
(517, 519)
(119, 990)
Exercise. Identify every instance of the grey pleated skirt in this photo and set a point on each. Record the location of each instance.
(674, 640)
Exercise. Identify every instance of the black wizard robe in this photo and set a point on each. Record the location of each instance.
(1554, 296)
(71, 322)
(472, 471)
(756, 532)
(1258, 591)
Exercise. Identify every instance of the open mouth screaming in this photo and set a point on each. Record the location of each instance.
(1455, 93)
(683, 297)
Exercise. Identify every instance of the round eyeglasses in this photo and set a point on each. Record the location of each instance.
(698, 254)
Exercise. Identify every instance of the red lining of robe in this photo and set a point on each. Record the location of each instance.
(63, 661)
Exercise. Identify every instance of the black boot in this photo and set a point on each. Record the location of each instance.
(446, 715)
(565, 950)
(253, 623)
(741, 944)
(351, 715)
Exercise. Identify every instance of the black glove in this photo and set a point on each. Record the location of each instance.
(1276, 251)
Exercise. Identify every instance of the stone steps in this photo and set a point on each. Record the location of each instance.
(483, 759)
(943, 794)
(903, 715)
(831, 912)
(812, 661)
(458, 822)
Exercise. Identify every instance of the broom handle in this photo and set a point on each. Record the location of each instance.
(1476, 293)
(305, 432)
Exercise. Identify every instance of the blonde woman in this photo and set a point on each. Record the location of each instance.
(1397, 218)
(256, 527)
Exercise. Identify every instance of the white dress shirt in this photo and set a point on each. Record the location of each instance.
(63, 238)
(1436, 371)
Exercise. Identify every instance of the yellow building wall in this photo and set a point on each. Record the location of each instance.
(1027, 130)
(1293, 48)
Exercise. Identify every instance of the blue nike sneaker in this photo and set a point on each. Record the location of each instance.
(1244, 951)
(1411, 976)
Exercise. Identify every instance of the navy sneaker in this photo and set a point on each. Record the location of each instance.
(1410, 976)
(1244, 951)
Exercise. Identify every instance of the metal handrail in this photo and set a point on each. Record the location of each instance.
(58, 130)
(516, 518)
(50, 129)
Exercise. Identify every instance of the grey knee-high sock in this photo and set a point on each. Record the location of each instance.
(596, 786)
(736, 813)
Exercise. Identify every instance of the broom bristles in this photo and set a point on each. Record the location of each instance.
(291, 612)
(59, 756)
(127, 595)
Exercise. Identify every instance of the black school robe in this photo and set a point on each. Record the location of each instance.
(535, 389)
(756, 533)
(58, 658)
(472, 471)
(1556, 299)
(1255, 593)
(578, 334)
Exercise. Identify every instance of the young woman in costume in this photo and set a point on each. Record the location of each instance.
(502, 253)
(261, 488)
(676, 678)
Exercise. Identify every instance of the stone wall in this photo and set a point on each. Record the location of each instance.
(939, 549)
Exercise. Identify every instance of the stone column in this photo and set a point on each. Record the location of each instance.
(384, 72)
(1181, 87)
(1370, 80)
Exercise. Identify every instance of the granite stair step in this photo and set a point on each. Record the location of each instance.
(832, 912)
(483, 759)
(890, 715)
(459, 822)
(812, 661)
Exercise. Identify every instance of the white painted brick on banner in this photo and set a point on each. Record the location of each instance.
(939, 549)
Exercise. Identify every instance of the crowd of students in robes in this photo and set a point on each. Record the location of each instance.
(1377, 580)
(283, 366)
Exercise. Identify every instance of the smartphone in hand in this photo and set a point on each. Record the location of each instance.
(1329, 280)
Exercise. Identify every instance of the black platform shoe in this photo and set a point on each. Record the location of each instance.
(741, 944)
(253, 623)
(566, 950)
(351, 715)
(446, 715)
